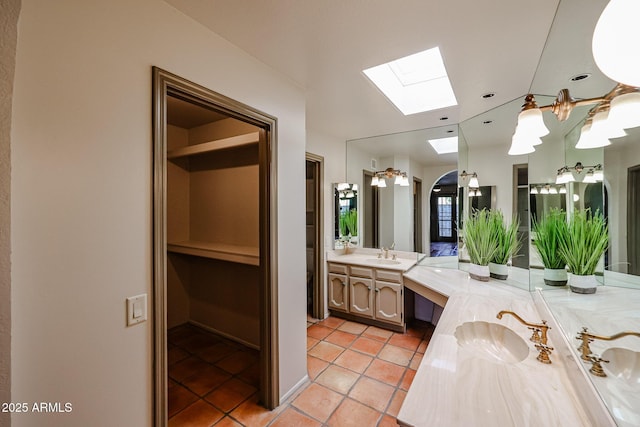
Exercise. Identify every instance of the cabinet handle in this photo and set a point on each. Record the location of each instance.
(377, 290)
(369, 287)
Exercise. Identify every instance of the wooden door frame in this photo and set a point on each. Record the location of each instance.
(318, 259)
(164, 83)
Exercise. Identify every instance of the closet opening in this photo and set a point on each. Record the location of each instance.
(315, 293)
(215, 289)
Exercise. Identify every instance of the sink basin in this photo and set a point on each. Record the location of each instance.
(623, 364)
(492, 341)
(383, 261)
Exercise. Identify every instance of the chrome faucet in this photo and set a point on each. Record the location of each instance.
(539, 330)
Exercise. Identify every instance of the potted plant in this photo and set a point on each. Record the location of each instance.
(549, 232)
(507, 244)
(587, 239)
(481, 243)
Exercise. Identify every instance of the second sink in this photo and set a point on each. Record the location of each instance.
(492, 341)
(623, 364)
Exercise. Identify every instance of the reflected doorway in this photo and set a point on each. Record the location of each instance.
(442, 221)
(371, 212)
(417, 215)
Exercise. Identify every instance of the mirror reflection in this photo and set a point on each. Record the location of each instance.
(346, 214)
(407, 185)
(501, 186)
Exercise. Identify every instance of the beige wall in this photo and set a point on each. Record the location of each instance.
(81, 198)
(9, 11)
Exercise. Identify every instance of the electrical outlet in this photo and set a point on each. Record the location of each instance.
(136, 309)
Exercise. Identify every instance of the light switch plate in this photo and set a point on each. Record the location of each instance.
(136, 309)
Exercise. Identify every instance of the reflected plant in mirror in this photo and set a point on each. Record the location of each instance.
(587, 238)
(547, 233)
(481, 243)
(346, 215)
(507, 244)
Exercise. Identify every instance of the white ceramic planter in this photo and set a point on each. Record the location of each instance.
(583, 284)
(479, 272)
(498, 271)
(555, 276)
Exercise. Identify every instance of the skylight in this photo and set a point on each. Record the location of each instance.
(415, 83)
(445, 145)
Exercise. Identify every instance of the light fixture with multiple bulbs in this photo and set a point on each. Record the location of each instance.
(548, 189)
(593, 174)
(474, 185)
(380, 178)
(614, 45)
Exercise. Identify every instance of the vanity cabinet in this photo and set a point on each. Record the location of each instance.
(338, 292)
(366, 294)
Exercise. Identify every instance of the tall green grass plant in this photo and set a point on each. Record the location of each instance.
(549, 232)
(507, 242)
(480, 238)
(587, 239)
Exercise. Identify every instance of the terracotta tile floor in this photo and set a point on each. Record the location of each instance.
(359, 376)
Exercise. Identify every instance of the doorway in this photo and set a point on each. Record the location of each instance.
(371, 206)
(314, 233)
(443, 228)
(203, 143)
(417, 215)
(521, 209)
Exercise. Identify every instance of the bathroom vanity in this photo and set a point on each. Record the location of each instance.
(369, 289)
(481, 371)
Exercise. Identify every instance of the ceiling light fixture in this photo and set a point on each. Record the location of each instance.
(379, 178)
(415, 83)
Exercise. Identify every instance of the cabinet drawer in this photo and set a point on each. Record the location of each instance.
(337, 268)
(389, 276)
(355, 270)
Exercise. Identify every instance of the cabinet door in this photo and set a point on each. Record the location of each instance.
(361, 296)
(388, 302)
(338, 295)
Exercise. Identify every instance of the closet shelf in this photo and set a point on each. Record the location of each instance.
(218, 144)
(222, 251)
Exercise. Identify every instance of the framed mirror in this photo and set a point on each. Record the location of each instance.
(346, 221)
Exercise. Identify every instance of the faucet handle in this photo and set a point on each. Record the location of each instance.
(596, 368)
(535, 336)
(545, 351)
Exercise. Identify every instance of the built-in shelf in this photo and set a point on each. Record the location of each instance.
(222, 251)
(218, 144)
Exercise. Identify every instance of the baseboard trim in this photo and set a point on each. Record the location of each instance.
(224, 334)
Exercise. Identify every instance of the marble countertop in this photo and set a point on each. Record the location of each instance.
(609, 311)
(457, 387)
(369, 258)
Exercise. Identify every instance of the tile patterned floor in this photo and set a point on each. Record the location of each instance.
(359, 376)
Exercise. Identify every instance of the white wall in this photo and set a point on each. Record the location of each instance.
(81, 198)
(495, 167)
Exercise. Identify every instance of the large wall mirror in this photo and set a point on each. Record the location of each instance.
(411, 203)
(614, 306)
